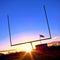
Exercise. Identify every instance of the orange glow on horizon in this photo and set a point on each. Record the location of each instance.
(25, 47)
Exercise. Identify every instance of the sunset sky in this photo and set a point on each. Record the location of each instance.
(27, 20)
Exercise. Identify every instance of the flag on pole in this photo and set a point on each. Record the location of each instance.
(42, 36)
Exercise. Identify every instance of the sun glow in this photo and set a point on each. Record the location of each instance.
(28, 49)
(25, 47)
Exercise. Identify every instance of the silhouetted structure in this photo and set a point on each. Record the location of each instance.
(44, 49)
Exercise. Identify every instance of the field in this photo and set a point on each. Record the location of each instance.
(30, 56)
(42, 53)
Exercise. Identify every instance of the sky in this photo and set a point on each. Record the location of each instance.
(27, 20)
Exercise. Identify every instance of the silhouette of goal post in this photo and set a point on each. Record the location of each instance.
(33, 40)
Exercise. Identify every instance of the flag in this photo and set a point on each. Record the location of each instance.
(42, 36)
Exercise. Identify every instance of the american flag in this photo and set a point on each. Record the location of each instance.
(42, 36)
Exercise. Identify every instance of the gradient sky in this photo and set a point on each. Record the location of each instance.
(27, 18)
